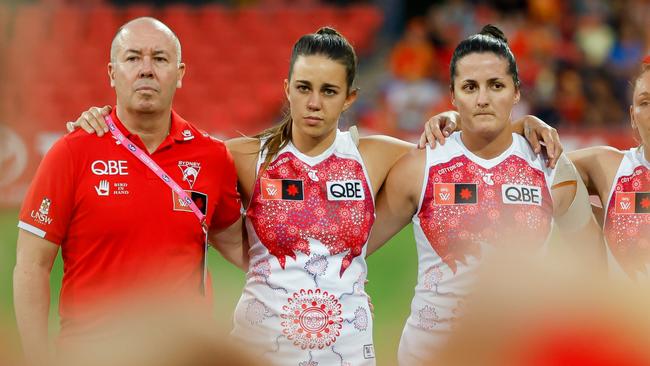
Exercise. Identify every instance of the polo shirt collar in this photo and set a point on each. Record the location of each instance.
(179, 131)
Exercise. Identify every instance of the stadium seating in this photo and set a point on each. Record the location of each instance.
(56, 58)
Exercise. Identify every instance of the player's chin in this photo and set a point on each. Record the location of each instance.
(314, 131)
(147, 105)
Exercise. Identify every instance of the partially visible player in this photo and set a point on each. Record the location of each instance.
(125, 236)
(621, 179)
(485, 188)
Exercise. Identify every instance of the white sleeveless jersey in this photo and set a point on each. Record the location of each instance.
(627, 218)
(467, 205)
(308, 223)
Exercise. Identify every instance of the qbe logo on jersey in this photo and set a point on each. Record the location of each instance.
(517, 194)
(345, 190)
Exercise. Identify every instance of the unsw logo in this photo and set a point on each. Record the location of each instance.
(632, 203)
(41, 216)
(345, 190)
(517, 194)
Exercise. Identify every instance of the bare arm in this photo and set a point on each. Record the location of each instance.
(597, 167)
(228, 242)
(379, 154)
(34, 260)
(398, 199)
(244, 151)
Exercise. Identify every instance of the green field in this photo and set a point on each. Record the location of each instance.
(392, 275)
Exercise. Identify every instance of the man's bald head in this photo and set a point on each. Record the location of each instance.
(140, 23)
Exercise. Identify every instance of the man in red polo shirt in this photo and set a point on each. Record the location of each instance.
(122, 231)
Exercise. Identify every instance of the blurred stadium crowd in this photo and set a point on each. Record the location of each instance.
(575, 59)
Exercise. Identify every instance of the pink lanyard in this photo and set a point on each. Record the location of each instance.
(144, 158)
(154, 167)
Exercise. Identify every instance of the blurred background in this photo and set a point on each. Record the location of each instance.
(576, 59)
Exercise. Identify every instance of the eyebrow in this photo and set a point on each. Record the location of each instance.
(138, 52)
(325, 85)
(489, 80)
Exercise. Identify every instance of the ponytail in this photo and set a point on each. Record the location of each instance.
(277, 137)
(327, 42)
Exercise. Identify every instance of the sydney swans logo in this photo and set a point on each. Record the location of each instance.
(190, 170)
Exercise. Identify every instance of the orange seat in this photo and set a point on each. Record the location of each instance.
(102, 23)
(29, 30)
(137, 10)
(67, 27)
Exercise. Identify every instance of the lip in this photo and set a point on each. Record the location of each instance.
(312, 119)
(146, 88)
(483, 114)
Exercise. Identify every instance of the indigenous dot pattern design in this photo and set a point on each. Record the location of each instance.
(257, 312)
(285, 226)
(261, 271)
(427, 317)
(316, 266)
(432, 277)
(360, 319)
(456, 231)
(312, 319)
(628, 234)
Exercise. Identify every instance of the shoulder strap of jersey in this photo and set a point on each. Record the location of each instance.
(354, 134)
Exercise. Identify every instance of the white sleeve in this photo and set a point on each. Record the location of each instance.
(579, 213)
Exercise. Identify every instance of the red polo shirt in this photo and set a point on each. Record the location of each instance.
(121, 230)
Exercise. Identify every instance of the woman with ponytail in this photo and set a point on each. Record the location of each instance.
(309, 190)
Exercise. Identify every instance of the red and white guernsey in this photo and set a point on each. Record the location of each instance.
(467, 205)
(308, 222)
(627, 218)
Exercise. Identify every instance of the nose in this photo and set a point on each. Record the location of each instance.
(146, 68)
(314, 102)
(483, 100)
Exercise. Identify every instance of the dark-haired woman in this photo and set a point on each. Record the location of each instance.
(621, 180)
(484, 188)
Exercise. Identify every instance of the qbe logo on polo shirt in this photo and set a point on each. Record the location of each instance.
(345, 190)
(517, 194)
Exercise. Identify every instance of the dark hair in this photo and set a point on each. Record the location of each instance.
(490, 39)
(325, 42)
(645, 67)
